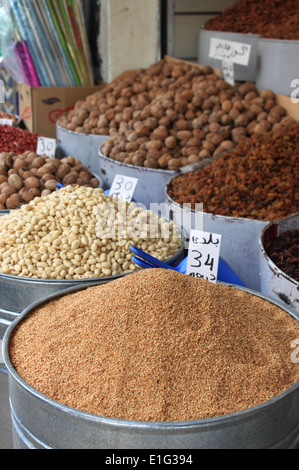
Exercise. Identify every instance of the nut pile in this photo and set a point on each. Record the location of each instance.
(259, 180)
(174, 114)
(79, 232)
(26, 176)
(157, 345)
(274, 19)
(17, 140)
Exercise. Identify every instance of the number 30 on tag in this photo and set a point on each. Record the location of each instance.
(123, 187)
(203, 255)
(46, 146)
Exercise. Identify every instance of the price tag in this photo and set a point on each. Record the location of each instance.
(123, 187)
(236, 52)
(228, 72)
(46, 146)
(203, 255)
(6, 122)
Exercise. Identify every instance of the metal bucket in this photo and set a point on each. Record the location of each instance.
(41, 423)
(239, 246)
(2, 213)
(277, 74)
(84, 147)
(274, 282)
(242, 73)
(151, 182)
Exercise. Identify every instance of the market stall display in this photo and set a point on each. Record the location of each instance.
(110, 352)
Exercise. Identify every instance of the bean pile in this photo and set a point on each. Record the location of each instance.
(274, 19)
(259, 180)
(284, 252)
(79, 232)
(174, 114)
(157, 345)
(26, 176)
(17, 140)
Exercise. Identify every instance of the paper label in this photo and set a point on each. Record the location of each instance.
(236, 52)
(46, 146)
(123, 187)
(228, 72)
(6, 122)
(203, 255)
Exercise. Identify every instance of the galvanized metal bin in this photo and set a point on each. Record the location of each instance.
(84, 147)
(239, 246)
(151, 182)
(274, 282)
(242, 73)
(41, 423)
(278, 65)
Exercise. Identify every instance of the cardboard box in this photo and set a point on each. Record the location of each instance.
(40, 108)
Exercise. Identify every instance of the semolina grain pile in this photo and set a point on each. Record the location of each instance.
(157, 345)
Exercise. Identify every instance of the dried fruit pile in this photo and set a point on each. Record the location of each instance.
(174, 114)
(259, 180)
(275, 19)
(284, 252)
(26, 176)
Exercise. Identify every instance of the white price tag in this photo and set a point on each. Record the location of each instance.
(203, 255)
(6, 122)
(236, 52)
(123, 187)
(46, 146)
(228, 72)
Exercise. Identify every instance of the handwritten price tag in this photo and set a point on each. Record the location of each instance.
(6, 122)
(203, 255)
(228, 72)
(46, 146)
(123, 187)
(236, 52)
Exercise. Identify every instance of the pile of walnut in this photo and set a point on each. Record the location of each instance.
(171, 115)
(24, 177)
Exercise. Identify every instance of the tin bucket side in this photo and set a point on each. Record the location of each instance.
(239, 246)
(277, 74)
(151, 182)
(84, 147)
(41, 423)
(242, 73)
(274, 282)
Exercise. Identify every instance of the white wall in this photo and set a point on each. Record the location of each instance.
(129, 35)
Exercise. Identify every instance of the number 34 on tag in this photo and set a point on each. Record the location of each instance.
(203, 255)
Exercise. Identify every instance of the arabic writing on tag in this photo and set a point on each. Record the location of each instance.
(237, 52)
(203, 256)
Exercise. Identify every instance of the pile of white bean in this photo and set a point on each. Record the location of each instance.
(79, 232)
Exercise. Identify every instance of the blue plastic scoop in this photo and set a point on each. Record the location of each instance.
(146, 261)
